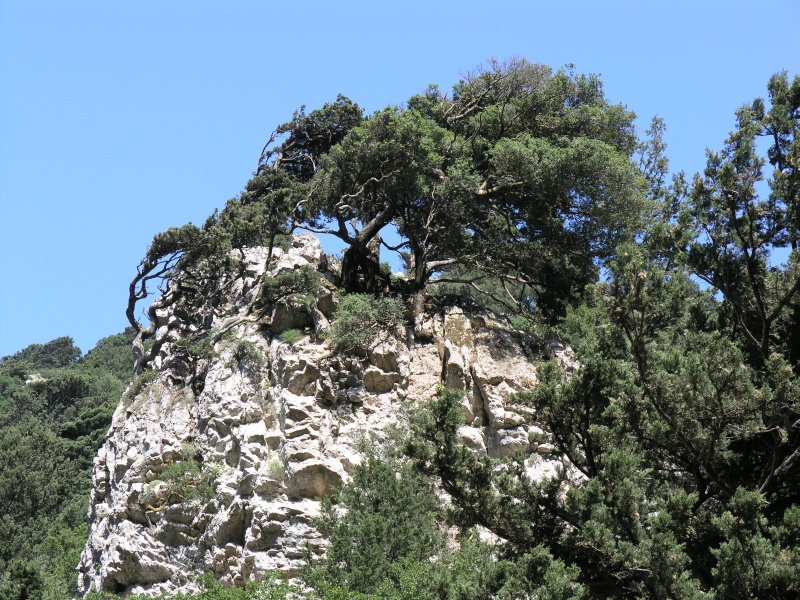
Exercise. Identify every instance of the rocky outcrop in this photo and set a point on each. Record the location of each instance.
(217, 461)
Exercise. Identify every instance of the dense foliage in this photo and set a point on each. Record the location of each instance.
(518, 185)
(680, 433)
(55, 408)
(361, 320)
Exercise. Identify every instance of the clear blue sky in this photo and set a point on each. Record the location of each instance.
(119, 119)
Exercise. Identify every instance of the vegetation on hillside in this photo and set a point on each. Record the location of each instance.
(680, 433)
(55, 409)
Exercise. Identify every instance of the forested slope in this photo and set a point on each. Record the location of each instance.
(55, 408)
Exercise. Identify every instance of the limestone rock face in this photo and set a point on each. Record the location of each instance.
(218, 462)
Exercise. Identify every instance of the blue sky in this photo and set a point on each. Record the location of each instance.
(121, 119)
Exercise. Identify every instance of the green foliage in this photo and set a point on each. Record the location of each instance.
(387, 542)
(247, 353)
(678, 435)
(534, 327)
(680, 427)
(303, 284)
(58, 353)
(275, 468)
(183, 480)
(290, 336)
(522, 181)
(51, 426)
(139, 384)
(111, 355)
(726, 229)
(61, 552)
(505, 182)
(23, 581)
(196, 347)
(471, 290)
(309, 136)
(390, 516)
(360, 318)
(29, 455)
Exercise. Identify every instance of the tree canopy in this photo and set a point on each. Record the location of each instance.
(680, 432)
(519, 173)
(521, 176)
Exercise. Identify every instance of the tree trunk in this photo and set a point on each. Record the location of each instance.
(138, 354)
(417, 270)
(361, 269)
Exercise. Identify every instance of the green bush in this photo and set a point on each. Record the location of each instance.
(276, 469)
(303, 283)
(391, 517)
(247, 352)
(534, 327)
(360, 318)
(139, 384)
(290, 336)
(202, 348)
(182, 481)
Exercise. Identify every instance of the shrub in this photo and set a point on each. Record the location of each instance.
(360, 318)
(534, 327)
(181, 481)
(247, 352)
(290, 336)
(304, 283)
(138, 385)
(391, 519)
(276, 469)
(202, 348)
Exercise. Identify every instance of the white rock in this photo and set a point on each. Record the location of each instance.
(473, 438)
(280, 437)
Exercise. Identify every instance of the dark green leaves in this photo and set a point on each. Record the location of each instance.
(391, 516)
(361, 319)
(50, 430)
(733, 228)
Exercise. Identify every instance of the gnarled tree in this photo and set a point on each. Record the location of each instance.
(519, 184)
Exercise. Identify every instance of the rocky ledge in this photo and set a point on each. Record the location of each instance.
(220, 468)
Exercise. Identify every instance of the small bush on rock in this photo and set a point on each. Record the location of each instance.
(303, 283)
(360, 318)
(181, 481)
(276, 469)
(194, 348)
(247, 352)
(138, 385)
(290, 336)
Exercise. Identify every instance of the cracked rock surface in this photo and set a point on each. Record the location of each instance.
(275, 427)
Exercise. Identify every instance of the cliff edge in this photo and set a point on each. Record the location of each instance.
(218, 455)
